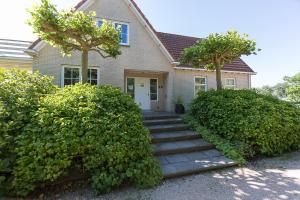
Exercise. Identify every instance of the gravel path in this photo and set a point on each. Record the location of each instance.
(267, 179)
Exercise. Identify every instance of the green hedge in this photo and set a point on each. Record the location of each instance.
(19, 98)
(266, 125)
(232, 150)
(98, 128)
(47, 132)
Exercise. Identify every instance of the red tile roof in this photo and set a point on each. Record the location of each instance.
(174, 43)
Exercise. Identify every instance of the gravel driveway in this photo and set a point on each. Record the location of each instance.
(266, 179)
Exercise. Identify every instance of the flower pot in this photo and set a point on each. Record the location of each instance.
(179, 109)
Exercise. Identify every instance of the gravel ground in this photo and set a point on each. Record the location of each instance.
(266, 179)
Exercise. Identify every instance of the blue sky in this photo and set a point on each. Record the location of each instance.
(273, 24)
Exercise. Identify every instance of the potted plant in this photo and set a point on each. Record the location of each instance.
(179, 107)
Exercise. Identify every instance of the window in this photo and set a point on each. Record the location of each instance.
(200, 84)
(153, 89)
(130, 87)
(230, 83)
(124, 31)
(72, 75)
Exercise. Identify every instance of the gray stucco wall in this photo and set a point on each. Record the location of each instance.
(184, 84)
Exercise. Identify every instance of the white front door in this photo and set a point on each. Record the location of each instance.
(142, 92)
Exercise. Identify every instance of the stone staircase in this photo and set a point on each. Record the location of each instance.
(179, 150)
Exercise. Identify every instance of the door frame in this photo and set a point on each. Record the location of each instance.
(134, 77)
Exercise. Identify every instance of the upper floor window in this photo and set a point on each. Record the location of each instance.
(230, 83)
(124, 31)
(200, 84)
(71, 75)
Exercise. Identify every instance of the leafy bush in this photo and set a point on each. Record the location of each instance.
(19, 98)
(266, 125)
(98, 128)
(234, 151)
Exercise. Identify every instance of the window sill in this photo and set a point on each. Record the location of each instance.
(125, 45)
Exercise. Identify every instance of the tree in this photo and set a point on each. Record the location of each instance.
(74, 31)
(279, 90)
(293, 89)
(217, 50)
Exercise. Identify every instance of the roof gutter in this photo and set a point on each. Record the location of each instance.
(226, 71)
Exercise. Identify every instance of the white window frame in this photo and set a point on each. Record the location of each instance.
(157, 92)
(197, 84)
(230, 86)
(80, 72)
(121, 23)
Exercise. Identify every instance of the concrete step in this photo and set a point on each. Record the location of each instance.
(168, 128)
(153, 122)
(168, 148)
(153, 116)
(192, 163)
(174, 136)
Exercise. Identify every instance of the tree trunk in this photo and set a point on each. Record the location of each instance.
(218, 77)
(85, 66)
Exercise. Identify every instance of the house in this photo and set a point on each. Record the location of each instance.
(12, 55)
(148, 68)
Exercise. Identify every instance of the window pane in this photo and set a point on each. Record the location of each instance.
(74, 81)
(68, 82)
(124, 29)
(68, 72)
(100, 22)
(75, 73)
(130, 86)
(199, 88)
(94, 74)
(200, 80)
(94, 82)
(154, 97)
(124, 39)
(153, 89)
(230, 82)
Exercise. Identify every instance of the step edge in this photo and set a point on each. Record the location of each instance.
(183, 150)
(200, 170)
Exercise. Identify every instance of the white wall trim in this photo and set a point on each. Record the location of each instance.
(204, 70)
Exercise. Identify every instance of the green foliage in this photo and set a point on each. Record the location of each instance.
(263, 124)
(217, 50)
(293, 90)
(98, 128)
(73, 30)
(223, 48)
(279, 90)
(20, 93)
(233, 150)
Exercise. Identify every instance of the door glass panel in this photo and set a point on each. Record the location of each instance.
(153, 89)
(130, 87)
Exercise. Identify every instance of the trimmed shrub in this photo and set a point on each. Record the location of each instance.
(99, 129)
(20, 93)
(232, 150)
(266, 125)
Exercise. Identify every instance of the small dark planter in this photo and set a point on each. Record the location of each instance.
(179, 109)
